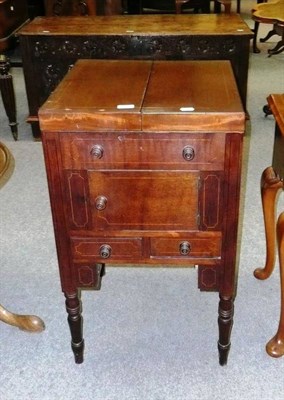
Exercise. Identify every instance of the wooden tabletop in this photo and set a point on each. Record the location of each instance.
(272, 12)
(164, 25)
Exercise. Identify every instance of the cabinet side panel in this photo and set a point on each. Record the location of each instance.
(53, 163)
(232, 177)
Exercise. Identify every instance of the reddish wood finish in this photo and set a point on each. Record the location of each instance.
(271, 185)
(146, 183)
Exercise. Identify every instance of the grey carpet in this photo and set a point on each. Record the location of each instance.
(149, 333)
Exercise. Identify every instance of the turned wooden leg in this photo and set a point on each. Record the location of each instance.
(8, 95)
(225, 322)
(29, 323)
(75, 321)
(275, 347)
(270, 188)
(254, 41)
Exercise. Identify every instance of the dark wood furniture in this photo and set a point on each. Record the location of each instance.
(143, 161)
(70, 7)
(269, 13)
(13, 15)
(168, 6)
(82, 7)
(271, 185)
(51, 46)
(35, 8)
(30, 323)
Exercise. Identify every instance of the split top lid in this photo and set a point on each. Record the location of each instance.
(145, 96)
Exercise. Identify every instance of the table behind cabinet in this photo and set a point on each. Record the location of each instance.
(50, 46)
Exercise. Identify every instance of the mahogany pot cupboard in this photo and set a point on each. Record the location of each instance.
(143, 162)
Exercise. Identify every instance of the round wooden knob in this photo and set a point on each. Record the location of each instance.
(184, 248)
(97, 151)
(105, 251)
(188, 153)
(101, 202)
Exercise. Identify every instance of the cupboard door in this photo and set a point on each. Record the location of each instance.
(122, 200)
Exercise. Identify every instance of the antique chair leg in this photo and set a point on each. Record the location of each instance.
(275, 347)
(29, 323)
(270, 188)
(8, 95)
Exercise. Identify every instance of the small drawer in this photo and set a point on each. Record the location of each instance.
(183, 151)
(206, 246)
(105, 249)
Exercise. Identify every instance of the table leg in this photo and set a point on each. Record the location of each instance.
(254, 41)
(75, 321)
(275, 347)
(225, 322)
(29, 323)
(277, 49)
(8, 95)
(270, 188)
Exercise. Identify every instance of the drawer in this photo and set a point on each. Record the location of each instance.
(198, 151)
(207, 245)
(102, 249)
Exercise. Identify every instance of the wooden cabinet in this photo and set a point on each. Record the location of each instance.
(144, 161)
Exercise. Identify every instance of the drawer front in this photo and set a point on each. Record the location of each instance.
(208, 246)
(198, 151)
(144, 200)
(102, 249)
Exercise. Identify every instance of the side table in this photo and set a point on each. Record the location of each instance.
(29, 323)
(271, 185)
(269, 13)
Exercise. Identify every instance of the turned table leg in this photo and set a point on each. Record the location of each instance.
(254, 41)
(75, 321)
(270, 188)
(275, 347)
(8, 95)
(225, 322)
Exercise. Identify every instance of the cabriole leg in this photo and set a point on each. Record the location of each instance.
(75, 321)
(275, 347)
(270, 188)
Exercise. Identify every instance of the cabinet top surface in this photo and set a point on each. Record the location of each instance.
(141, 95)
(131, 25)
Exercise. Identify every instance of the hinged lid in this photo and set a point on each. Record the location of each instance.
(98, 95)
(145, 95)
(192, 95)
